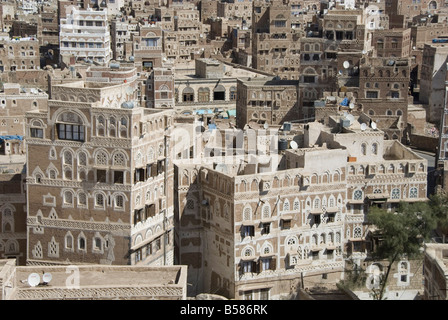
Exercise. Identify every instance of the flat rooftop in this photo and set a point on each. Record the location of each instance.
(98, 282)
(100, 276)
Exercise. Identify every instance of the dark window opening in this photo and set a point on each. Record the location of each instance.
(37, 133)
(218, 95)
(286, 224)
(138, 216)
(139, 175)
(308, 79)
(247, 231)
(150, 210)
(266, 228)
(101, 175)
(70, 132)
(118, 176)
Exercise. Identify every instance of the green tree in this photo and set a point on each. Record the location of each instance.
(439, 205)
(400, 234)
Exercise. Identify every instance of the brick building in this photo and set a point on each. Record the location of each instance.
(260, 226)
(99, 191)
(19, 54)
(85, 34)
(435, 274)
(384, 93)
(267, 100)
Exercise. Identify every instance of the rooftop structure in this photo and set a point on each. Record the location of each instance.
(97, 282)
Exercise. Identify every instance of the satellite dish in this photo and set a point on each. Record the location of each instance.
(346, 64)
(363, 126)
(351, 105)
(33, 279)
(265, 125)
(47, 277)
(293, 145)
(373, 125)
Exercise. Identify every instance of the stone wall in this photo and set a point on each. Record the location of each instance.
(423, 142)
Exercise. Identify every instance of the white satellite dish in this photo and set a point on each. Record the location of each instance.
(47, 277)
(351, 105)
(265, 125)
(293, 145)
(346, 64)
(33, 279)
(363, 126)
(373, 125)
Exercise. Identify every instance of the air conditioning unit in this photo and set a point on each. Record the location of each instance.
(371, 169)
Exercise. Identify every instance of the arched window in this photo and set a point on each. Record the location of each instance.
(296, 205)
(7, 220)
(357, 195)
(413, 192)
(188, 95)
(100, 126)
(316, 203)
(248, 252)
(232, 93)
(36, 130)
(68, 198)
(357, 232)
(68, 159)
(247, 214)
(374, 148)
(99, 200)
(286, 205)
(395, 193)
(119, 201)
(82, 199)
(219, 93)
(101, 158)
(119, 159)
(82, 159)
(266, 211)
(69, 241)
(363, 149)
(203, 95)
(82, 243)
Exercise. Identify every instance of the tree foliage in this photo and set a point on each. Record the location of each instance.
(439, 205)
(401, 233)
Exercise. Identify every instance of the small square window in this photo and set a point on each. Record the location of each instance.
(118, 177)
(101, 175)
